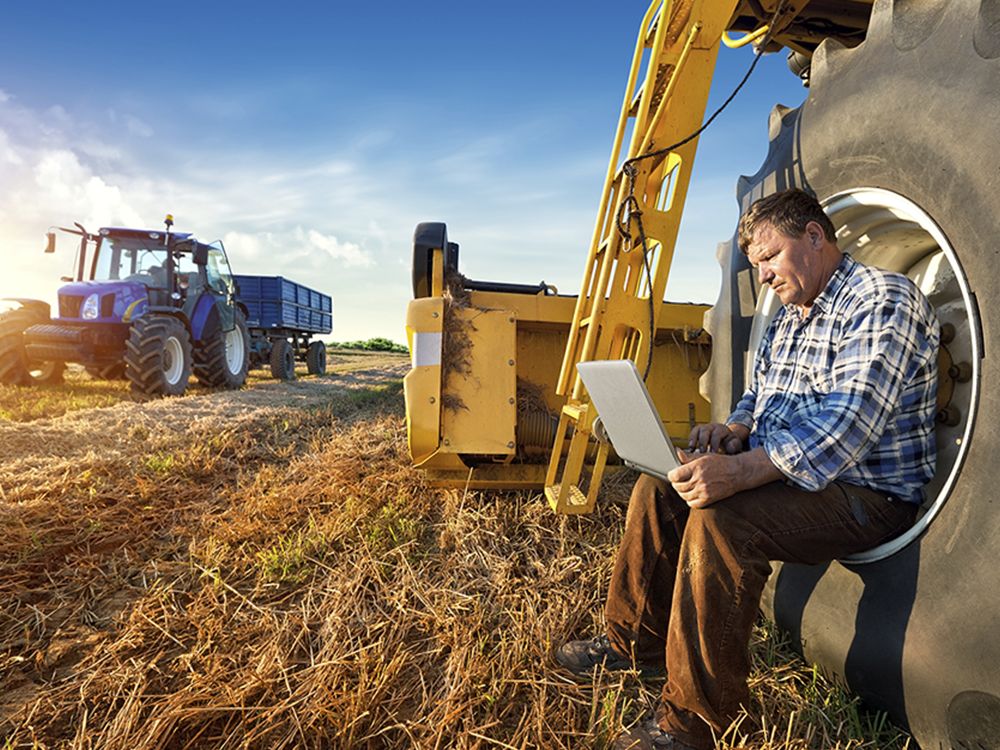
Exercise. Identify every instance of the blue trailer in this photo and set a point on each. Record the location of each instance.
(282, 316)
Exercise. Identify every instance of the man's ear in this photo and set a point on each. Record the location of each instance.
(815, 232)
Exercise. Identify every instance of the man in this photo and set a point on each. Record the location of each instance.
(825, 455)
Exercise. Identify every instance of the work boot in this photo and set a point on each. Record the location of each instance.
(580, 657)
(649, 736)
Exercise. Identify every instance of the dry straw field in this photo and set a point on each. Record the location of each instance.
(263, 569)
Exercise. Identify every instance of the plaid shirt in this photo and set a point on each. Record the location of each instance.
(848, 391)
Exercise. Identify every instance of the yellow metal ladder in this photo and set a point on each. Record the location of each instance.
(620, 297)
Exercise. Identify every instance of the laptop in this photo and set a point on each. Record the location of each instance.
(629, 415)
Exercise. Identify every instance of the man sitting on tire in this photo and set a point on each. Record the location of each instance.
(824, 456)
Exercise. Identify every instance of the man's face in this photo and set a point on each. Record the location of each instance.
(791, 266)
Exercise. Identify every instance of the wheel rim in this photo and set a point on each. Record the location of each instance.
(885, 229)
(235, 350)
(173, 360)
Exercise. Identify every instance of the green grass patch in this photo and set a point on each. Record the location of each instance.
(28, 403)
(292, 556)
(377, 344)
(161, 463)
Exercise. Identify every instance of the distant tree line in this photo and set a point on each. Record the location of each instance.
(377, 344)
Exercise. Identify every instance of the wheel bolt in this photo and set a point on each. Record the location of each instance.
(949, 416)
(960, 372)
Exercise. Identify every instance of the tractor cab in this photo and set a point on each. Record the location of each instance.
(130, 271)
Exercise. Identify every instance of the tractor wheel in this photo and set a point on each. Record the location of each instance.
(222, 360)
(15, 367)
(158, 356)
(114, 371)
(282, 359)
(316, 358)
(898, 140)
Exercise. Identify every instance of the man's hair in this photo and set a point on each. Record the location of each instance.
(788, 213)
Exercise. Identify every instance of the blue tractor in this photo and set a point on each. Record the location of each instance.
(149, 306)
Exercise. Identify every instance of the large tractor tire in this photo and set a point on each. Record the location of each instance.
(316, 358)
(15, 367)
(898, 139)
(282, 359)
(222, 359)
(158, 356)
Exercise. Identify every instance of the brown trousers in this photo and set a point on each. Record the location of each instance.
(687, 583)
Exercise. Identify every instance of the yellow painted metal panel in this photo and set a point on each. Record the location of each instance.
(480, 405)
(422, 384)
(539, 308)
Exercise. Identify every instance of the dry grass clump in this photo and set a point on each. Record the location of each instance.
(282, 578)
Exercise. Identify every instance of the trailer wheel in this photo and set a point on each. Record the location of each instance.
(911, 625)
(158, 356)
(316, 358)
(282, 359)
(15, 367)
(223, 359)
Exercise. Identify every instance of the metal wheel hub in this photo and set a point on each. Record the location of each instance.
(235, 349)
(173, 360)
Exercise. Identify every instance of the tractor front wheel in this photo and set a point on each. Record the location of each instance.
(158, 356)
(15, 367)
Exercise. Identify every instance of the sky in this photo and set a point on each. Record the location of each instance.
(312, 138)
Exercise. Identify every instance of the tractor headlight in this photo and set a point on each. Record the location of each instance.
(91, 307)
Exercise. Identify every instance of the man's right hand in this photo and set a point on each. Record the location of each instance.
(718, 438)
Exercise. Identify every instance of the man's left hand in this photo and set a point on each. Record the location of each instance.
(704, 479)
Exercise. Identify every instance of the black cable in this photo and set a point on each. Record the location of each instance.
(629, 207)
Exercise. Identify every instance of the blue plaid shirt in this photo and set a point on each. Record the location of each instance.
(848, 391)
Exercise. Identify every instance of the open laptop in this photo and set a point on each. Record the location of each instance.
(629, 415)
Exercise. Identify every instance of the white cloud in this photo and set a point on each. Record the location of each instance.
(293, 249)
(63, 180)
(138, 127)
(7, 153)
(348, 252)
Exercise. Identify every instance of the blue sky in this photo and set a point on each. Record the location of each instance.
(313, 137)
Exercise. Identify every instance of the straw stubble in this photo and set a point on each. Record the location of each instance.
(264, 569)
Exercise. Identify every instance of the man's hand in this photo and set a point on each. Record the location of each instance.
(718, 438)
(711, 477)
(706, 479)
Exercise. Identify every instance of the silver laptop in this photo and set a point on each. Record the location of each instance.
(629, 415)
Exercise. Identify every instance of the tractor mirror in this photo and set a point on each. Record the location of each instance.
(200, 255)
(50, 242)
